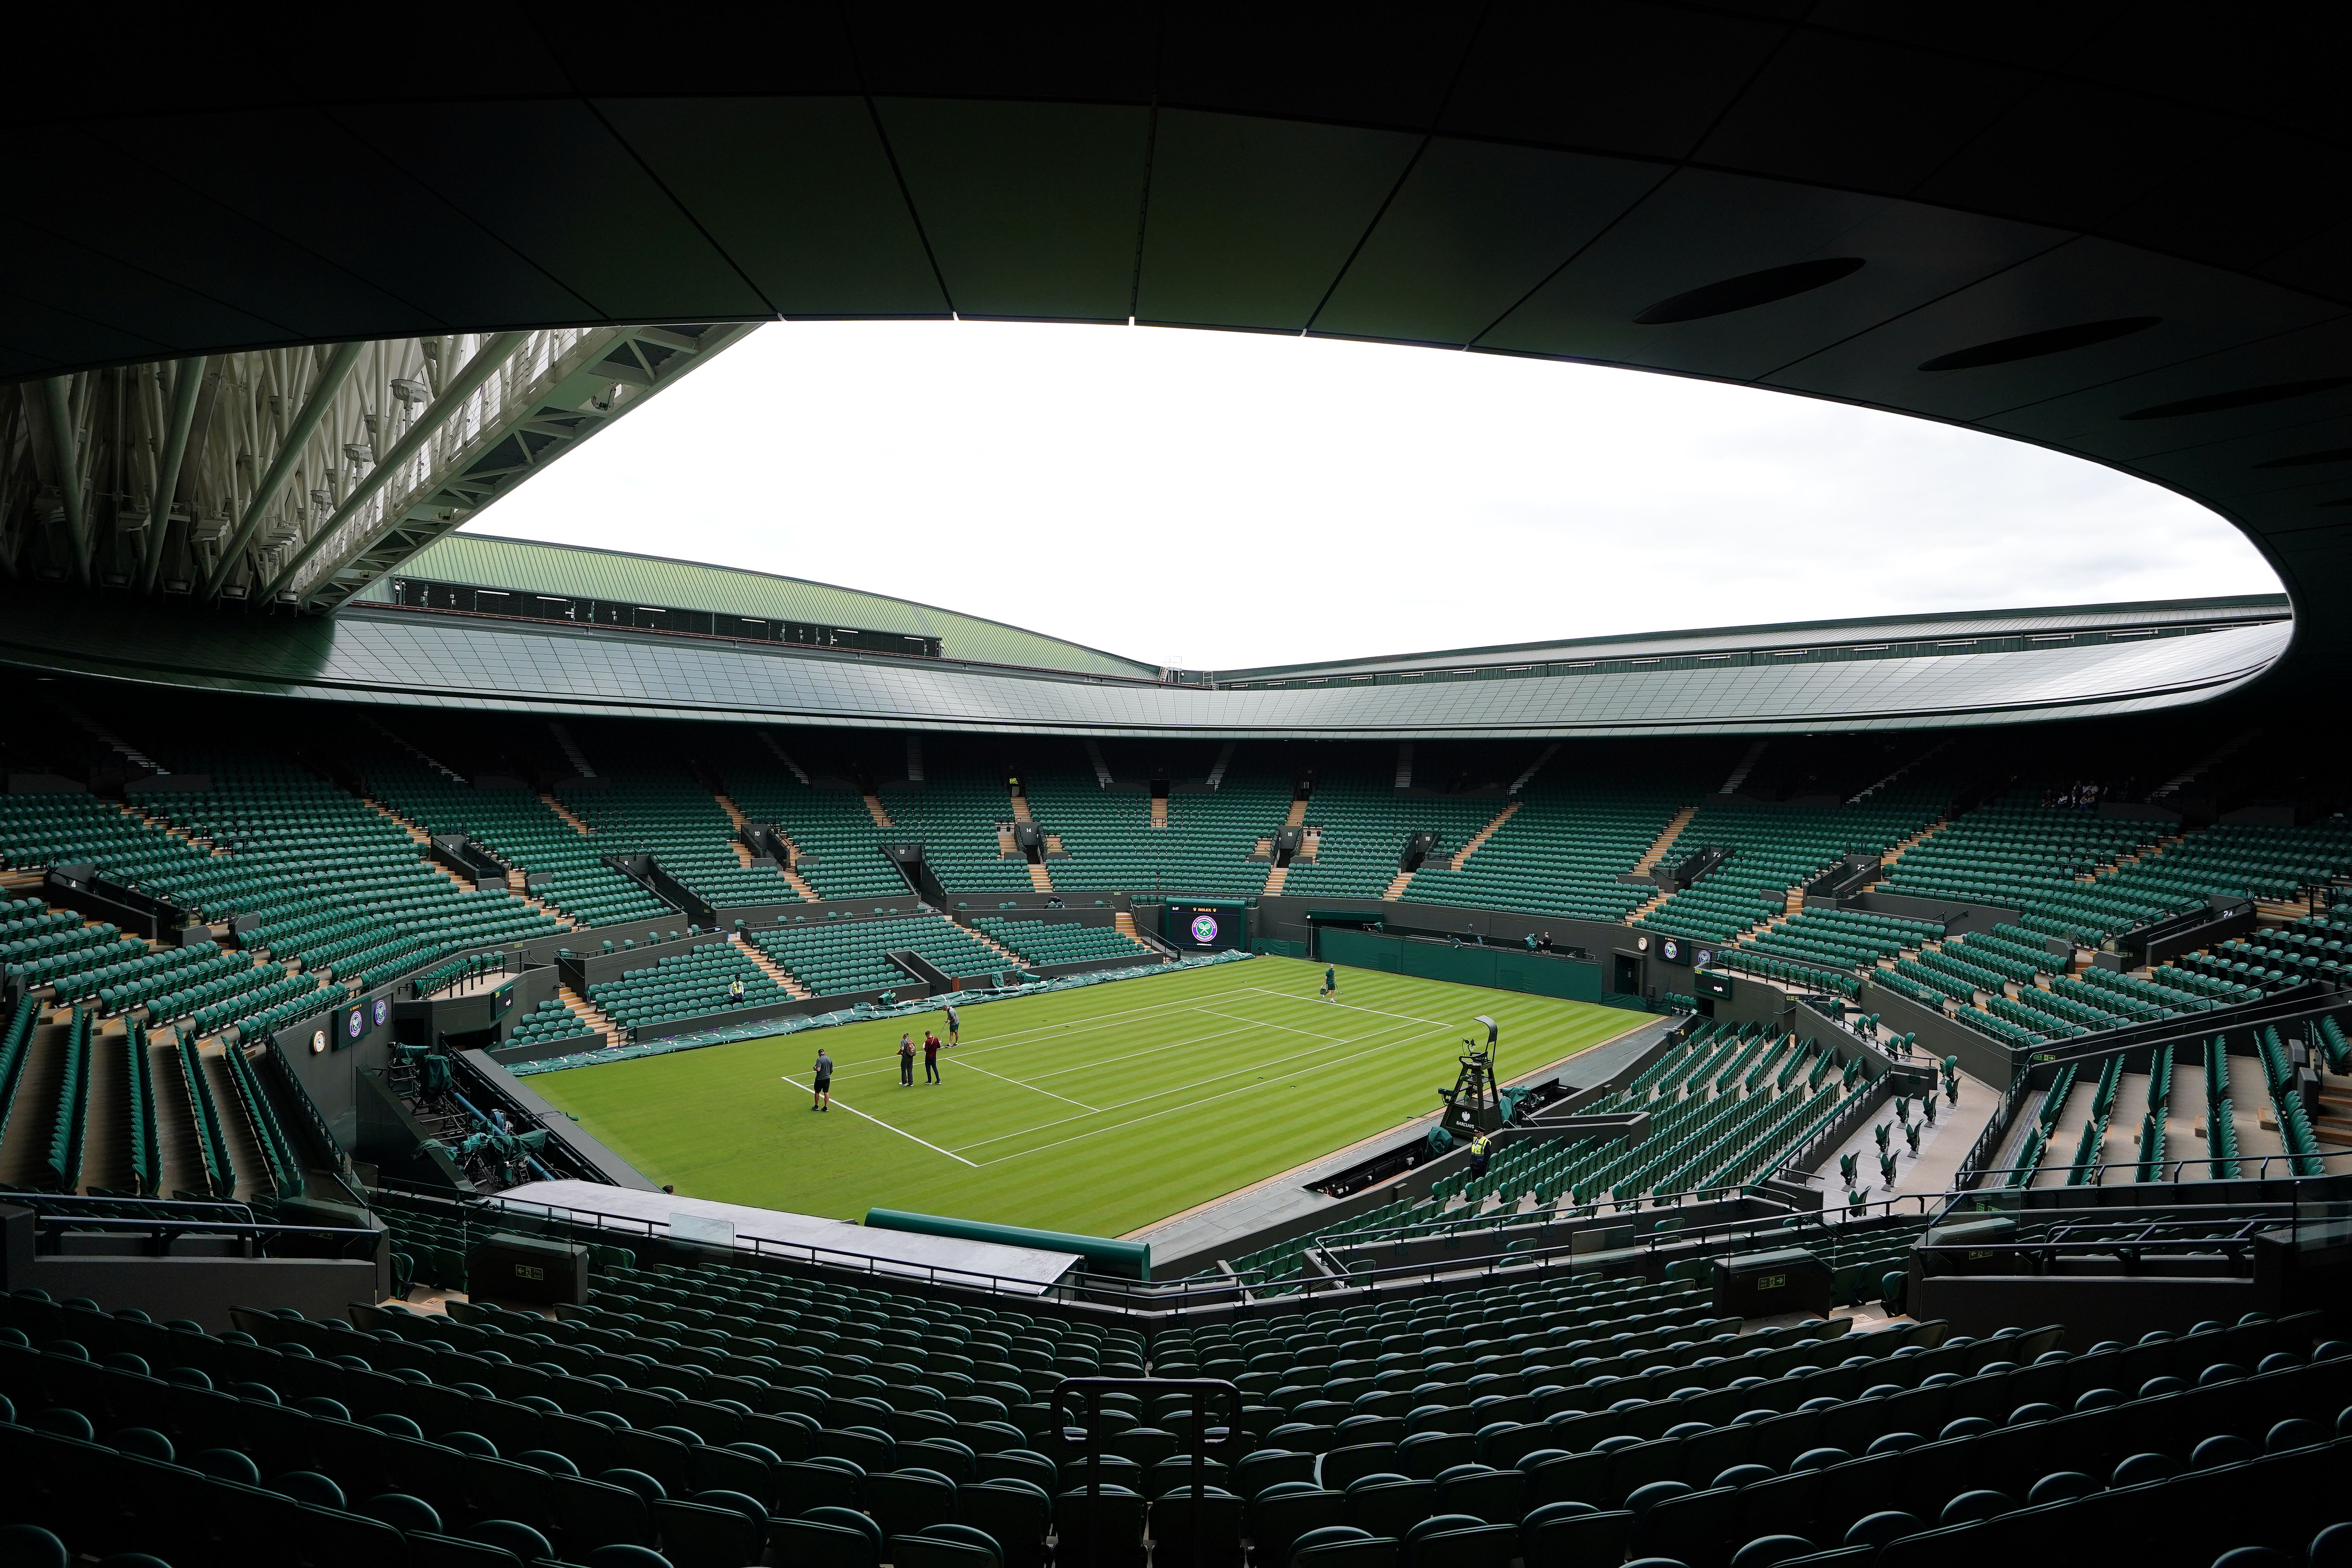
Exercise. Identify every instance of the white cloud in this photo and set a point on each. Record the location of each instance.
(1224, 499)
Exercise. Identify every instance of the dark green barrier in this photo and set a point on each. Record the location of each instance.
(1129, 1260)
(1500, 968)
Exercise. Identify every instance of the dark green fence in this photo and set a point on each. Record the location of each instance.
(1501, 968)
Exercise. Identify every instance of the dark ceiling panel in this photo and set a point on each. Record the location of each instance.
(1252, 219)
(1064, 50)
(1899, 115)
(1911, 254)
(44, 337)
(2082, 281)
(1385, 64)
(2264, 193)
(1030, 209)
(2030, 33)
(550, 181)
(2072, 154)
(67, 184)
(2321, 264)
(798, 191)
(1476, 225)
(293, 172)
(1608, 76)
(135, 312)
(782, 51)
(2096, 417)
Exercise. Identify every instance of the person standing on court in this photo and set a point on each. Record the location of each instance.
(955, 1025)
(930, 1058)
(1331, 983)
(823, 1079)
(907, 1061)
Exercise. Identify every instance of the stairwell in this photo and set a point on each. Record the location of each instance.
(743, 855)
(563, 813)
(572, 751)
(1397, 885)
(772, 969)
(1747, 766)
(243, 1148)
(1275, 878)
(1897, 852)
(1477, 839)
(1040, 880)
(1158, 811)
(1014, 959)
(1665, 841)
(599, 1021)
(874, 808)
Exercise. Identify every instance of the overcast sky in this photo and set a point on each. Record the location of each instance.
(1218, 499)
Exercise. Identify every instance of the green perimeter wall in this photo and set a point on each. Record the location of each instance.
(1501, 968)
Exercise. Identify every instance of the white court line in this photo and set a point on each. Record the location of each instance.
(1018, 1083)
(1183, 1089)
(879, 1122)
(1171, 1111)
(1286, 1028)
(1351, 1007)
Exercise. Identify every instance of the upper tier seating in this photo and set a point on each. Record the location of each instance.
(665, 813)
(1109, 843)
(1062, 941)
(838, 839)
(1363, 825)
(1775, 850)
(834, 958)
(524, 832)
(1564, 852)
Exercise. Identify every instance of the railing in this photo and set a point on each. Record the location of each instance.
(1989, 1141)
(2177, 1166)
(261, 1240)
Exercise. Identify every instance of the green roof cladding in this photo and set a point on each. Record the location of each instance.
(488, 560)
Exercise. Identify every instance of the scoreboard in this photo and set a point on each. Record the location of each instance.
(1206, 927)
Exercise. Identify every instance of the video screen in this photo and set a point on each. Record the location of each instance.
(1206, 927)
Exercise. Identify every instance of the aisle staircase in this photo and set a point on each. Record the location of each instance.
(1665, 841)
(1158, 811)
(874, 806)
(1462, 856)
(599, 1021)
(772, 969)
(563, 813)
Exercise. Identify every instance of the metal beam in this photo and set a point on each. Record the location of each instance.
(493, 354)
(290, 454)
(188, 381)
(55, 395)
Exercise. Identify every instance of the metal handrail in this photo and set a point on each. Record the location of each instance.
(2176, 1165)
(350, 1241)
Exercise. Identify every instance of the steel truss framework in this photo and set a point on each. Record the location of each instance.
(297, 477)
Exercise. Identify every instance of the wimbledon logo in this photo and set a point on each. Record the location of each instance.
(1204, 927)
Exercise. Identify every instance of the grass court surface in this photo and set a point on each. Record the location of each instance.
(1101, 1110)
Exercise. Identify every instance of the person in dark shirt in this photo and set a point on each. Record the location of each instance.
(823, 1081)
(1331, 983)
(907, 1061)
(955, 1026)
(930, 1058)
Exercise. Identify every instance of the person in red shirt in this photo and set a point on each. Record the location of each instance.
(930, 1058)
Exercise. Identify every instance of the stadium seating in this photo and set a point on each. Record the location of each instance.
(1051, 941)
(830, 825)
(520, 829)
(1776, 850)
(1109, 843)
(551, 1020)
(665, 813)
(1360, 827)
(833, 958)
(1565, 852)
(685, 986)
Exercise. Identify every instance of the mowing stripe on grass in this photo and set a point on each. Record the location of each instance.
(1201, 1082)
(879, 1122)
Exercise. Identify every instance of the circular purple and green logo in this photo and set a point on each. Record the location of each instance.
(1204, 928)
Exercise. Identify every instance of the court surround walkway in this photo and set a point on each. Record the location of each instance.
(1209, 1230)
